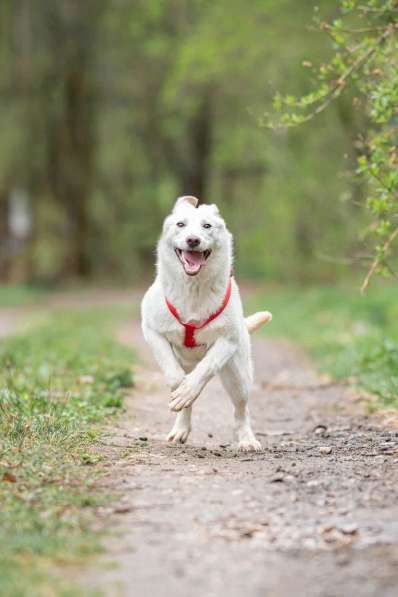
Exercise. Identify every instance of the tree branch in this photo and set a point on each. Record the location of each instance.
(378, 260)
(340, 84)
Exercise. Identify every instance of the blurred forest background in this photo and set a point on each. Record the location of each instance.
(110, 109)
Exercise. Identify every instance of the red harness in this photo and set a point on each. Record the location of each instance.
(189, 340)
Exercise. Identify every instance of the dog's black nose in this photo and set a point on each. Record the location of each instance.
(193, 242)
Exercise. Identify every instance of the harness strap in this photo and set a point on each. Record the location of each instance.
(190, 328)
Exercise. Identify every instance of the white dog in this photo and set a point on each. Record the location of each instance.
(192, 317)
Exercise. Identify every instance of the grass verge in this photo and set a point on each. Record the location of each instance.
(15, 295)
(58, 383)
(348, 335)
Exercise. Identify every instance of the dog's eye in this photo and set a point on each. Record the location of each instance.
(180, 224)
(206, 225)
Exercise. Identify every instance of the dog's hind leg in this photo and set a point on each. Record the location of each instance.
(182, 427)
(236, 379)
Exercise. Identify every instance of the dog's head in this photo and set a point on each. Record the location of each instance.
(196, 237)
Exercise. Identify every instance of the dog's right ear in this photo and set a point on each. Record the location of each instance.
(186, 199)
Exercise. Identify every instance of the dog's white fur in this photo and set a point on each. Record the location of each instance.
(226, 343)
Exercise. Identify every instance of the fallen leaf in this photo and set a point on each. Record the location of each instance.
(9, 477)
(122, 509)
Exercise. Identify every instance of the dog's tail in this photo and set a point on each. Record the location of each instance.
(256, 320)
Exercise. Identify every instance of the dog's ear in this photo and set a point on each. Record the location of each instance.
(214, 209)
(186, 199)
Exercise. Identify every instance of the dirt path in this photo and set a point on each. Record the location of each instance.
(202, 520)
(10, 322)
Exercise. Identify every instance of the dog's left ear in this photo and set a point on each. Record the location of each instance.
(186, 199)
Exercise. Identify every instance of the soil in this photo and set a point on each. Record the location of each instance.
(314, 514)
(9, 321)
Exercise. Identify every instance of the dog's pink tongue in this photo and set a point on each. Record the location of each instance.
(194, 257)
(193, 260)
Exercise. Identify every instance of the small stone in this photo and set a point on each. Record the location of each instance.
(349, 529)
(327, 528)
(325, 450)
(143, 439)
(277, 479)
(320, 429)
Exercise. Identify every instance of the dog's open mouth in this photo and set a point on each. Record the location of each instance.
(192, 261)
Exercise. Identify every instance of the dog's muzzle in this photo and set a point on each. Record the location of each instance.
(192, 261)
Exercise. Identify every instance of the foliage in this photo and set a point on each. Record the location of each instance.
(57, 383)
(17, 295)
(173, 91)
(350, 336)
(365, 58)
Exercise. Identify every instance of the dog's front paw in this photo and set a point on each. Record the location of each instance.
(184, 395)
(174, 380)
(248, 443)
(179, 434)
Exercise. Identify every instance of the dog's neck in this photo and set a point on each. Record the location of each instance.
(196, 297)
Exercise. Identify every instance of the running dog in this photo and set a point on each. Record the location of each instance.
(192, 317)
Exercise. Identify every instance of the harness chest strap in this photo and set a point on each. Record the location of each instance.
(190, 328)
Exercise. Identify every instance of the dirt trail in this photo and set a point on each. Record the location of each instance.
(314, 514)
(10, 322)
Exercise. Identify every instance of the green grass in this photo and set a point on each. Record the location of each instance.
(349, 335)
(58, 383)
(15, 295)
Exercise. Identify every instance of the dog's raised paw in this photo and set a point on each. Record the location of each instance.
(182, 397)
(173, 381)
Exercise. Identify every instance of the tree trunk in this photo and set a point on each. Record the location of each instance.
(72, 132)
(195, 172)
(4, 237)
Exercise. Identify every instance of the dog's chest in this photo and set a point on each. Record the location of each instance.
(177, 335)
